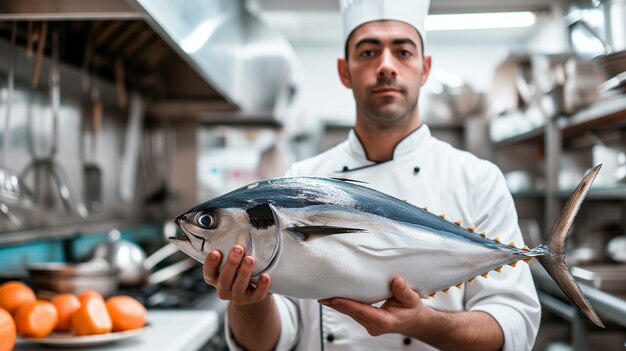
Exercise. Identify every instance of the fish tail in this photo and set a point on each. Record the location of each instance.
(554, 259)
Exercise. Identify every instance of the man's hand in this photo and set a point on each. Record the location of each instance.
(397, 315)
(233, 282)
(253, 317)
(405, 314)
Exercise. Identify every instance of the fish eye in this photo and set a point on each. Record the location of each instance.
(206, 221)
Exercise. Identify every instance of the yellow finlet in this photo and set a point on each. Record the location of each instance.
(471, 281)
(513, 264)
(483, 234)
(432, 295)
(512, 244)
(496, 239)
(484, 275)
(499, 269)
(425, 209)
(445, 291)
(528, 260)
(458, 222)
(525, 248)
(471, 229)
(442, 215)
(458, 286)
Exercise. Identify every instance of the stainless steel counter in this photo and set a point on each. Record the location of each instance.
(172, 330)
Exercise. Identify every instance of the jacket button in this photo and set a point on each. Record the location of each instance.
(416, 170)
(407, 341)
(330, 337)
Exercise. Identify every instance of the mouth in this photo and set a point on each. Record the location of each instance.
(387, 90)
(184, 243)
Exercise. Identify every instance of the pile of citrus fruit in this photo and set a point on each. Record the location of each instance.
(86, 314)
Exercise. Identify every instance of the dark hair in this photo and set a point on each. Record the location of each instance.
(345, 46)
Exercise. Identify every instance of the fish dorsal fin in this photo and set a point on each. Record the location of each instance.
(349, 180)
(313, 232)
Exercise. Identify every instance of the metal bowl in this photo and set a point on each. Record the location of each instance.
(74, 277)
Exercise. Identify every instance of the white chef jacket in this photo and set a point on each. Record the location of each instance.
(426, 172)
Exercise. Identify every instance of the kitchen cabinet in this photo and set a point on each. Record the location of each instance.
(544, 200)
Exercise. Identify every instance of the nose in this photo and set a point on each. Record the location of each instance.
(386, 68)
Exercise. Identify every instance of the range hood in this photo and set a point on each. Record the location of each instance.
(197, 58)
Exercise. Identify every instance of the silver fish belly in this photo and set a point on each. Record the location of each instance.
(361, 265)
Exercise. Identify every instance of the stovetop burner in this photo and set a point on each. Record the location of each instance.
(189, 290)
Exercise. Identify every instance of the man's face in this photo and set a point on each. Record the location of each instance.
(385, 70)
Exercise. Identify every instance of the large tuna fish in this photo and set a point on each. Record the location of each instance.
(324, 237)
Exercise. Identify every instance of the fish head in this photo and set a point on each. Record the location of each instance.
(207, 228)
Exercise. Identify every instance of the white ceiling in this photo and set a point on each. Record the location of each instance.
(436, 6)
(319, 21)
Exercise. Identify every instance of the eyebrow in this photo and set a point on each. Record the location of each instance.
(400, 41)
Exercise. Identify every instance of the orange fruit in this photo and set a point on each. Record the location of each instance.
(13, 294)
(66, 305)
(36, 319)
(88, 294)
(8, 333)
(126, 313)
(92, 317)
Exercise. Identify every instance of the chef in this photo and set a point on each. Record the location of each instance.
(394, 152)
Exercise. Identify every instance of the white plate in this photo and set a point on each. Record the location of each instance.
(62, 339)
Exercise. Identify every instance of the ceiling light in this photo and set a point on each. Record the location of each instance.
(480, 20)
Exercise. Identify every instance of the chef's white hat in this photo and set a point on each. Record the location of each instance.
(358, 12)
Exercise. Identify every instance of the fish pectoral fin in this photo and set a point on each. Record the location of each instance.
(313, 232)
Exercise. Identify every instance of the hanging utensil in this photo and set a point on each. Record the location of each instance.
(45, 167)
(91, 171)
(41, 38)
(11, 185)
(120, 81)
(131, 148)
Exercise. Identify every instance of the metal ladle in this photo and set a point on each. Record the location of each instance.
(11, 185)
(46, 166)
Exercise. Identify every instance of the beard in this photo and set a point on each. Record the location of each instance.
(387, 111)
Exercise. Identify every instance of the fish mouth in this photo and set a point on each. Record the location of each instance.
(185, 244)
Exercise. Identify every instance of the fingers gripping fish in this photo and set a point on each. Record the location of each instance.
(325, 237)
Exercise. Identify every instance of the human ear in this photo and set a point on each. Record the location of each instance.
(344, 75)
(426, 68)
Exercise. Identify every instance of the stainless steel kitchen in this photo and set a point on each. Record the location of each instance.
(254, 174)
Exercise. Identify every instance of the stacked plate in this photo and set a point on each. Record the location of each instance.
(614, 66)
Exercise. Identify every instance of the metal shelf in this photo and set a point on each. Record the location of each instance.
(605, 113)
(608, 306)
(598, 193)
(534, 135)
(63, 231)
